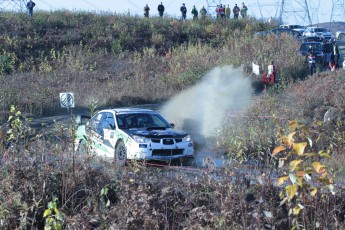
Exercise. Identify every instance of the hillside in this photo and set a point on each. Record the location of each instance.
(72, 52)
(333, 26)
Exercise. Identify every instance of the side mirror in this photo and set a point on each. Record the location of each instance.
(172, 125)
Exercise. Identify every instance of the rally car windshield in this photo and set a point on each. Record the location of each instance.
(141, 120)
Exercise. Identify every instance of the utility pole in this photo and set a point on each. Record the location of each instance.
(266, 10)
(338, 11)
(12, 5)
(211, 6)
(295, 11)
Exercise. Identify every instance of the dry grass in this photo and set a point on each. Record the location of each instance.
(138, 197)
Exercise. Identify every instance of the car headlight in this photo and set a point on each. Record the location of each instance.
(187, 138)
(140, 139)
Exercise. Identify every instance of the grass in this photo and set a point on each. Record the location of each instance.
(121, 60)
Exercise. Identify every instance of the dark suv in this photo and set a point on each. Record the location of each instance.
(317, 49)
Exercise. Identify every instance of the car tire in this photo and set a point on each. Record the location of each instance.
(341, 36)
(120, 154)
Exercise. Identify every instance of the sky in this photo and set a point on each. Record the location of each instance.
(320, 10)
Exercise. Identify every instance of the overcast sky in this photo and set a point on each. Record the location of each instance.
(320, 10)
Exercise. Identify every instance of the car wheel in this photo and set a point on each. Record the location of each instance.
(341, 36)
(120, 154)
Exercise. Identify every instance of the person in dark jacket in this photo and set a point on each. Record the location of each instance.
(203, 12)
(30, 6)
(336, 54)
(146, 11)
(236, 11)
(160, 9)
(327, 50)
(183, 10)
(195, 13)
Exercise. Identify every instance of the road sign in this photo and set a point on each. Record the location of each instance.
(67, 100)
(256, 68)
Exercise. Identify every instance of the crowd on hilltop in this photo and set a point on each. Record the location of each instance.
(220, 10)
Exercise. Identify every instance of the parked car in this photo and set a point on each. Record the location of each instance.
(313, 39)
(298, 28)
(317, 49)
(279, 31)
(132, 134)
(340, 35)
(316, 31)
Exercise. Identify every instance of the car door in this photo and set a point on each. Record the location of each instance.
(95, 132)
(109, 135)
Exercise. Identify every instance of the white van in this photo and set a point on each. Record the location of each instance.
(298, 28)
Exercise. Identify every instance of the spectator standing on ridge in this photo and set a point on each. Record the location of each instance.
(217, 11)
(146, 11)
(203, 12)
(327, 51)
(30, 5)
(336, 54)
(244, 10)
(221, 11)
(183, 10)
(236, 11)
(227, 11)
(195, 13)
(160, 9)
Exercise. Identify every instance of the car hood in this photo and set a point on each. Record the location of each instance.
(166, 133)
(323, 33)
(305, 52)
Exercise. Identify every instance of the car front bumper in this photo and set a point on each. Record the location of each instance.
(157, 151)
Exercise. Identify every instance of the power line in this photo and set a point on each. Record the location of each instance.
(139, 8)
(297, 9)
(12, 5)
(92, 5)
(338, 11)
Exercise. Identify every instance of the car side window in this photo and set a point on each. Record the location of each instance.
(100, 125)
(108, 121)
(94, 122)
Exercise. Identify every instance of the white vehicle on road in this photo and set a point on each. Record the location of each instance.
(316, 31)
(340, 35)
(133, 134)
(298, 28)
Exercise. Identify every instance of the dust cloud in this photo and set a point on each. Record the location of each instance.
(202, 109)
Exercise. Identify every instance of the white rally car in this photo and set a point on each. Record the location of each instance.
(132, 134)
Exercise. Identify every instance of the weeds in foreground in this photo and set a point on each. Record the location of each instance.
(42, 189)
(303, 174)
